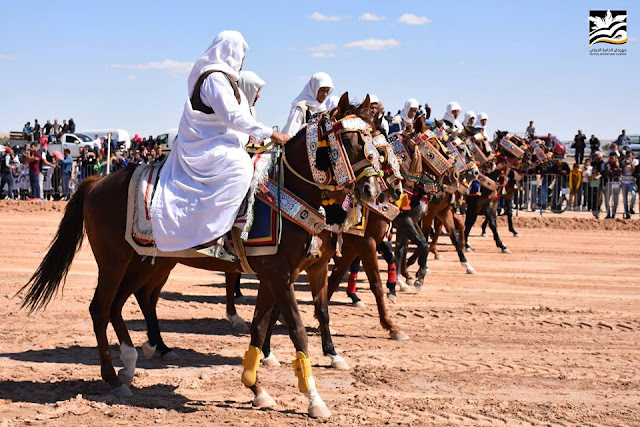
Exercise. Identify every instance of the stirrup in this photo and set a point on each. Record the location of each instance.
(218, 250)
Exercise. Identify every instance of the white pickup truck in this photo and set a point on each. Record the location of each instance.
(73, 142)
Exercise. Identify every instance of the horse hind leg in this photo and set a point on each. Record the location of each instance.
(231, 285)
(100, 308)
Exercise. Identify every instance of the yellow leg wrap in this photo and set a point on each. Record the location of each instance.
(250, 363)
(302, 369)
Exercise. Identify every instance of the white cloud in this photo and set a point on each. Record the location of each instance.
(174, 67)
(322, 47)
(131, 77)
(7, 57)
(411, 19)
(370, 17)
(321, 17)
(374, 44)
(323, 54)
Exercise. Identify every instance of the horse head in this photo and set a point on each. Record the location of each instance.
(356, 140)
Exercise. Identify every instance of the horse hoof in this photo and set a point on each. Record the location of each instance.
(237, 323)
(263, 400)
(337, 362)
(148, 350)
(468, 249)
(271, 361)
(427, 271)
(410, 282)
(402, 286)
(438, 257)
(122, 392)
(392, 297)
(516, 235)
(506, 251)
(125, 378)
(169, 356)
(399, 336)
(470, 269)
(318, 409)
(418, 287)
(483, 235)
(359, 304)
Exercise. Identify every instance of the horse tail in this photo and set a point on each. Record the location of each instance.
(53, 269)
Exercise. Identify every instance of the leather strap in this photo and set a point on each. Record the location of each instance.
(196, 100)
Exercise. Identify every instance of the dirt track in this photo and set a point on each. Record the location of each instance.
(547, 335)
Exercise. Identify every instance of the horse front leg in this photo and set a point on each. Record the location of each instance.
(509, 211)
(450, 226)
(493, 224)
(368, 255)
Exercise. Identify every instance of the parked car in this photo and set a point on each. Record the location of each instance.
(73, 141)
(167, 139)
(635, 144)
(120, 135)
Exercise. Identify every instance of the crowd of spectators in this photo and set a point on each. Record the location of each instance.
(64, 171)
(48, 133)
(593, 181)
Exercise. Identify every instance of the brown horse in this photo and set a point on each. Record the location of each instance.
(99, 207)
(316, 269)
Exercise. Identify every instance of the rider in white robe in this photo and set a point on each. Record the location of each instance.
(311, 100)
(250, 84)
(451, 116)
(470, 118)
(208, 172)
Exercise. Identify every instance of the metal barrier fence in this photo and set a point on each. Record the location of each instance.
(552, 192)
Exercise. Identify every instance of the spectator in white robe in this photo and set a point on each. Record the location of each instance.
(208, 172)
(407, 115)
(310, 101)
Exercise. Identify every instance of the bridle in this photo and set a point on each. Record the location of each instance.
(329, 131)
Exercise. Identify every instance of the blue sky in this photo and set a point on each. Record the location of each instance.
(124, 64)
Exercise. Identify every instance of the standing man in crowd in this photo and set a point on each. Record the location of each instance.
(594, 145)
(629, 166)
(34, 158)
(623, 141)
(67, 169)
(5, 172)
(611, 173)
(531, 131)
(579, 144)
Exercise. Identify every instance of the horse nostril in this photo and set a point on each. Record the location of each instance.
(367, 191)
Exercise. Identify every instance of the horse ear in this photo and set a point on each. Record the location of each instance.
(419, 123)
(438, 123)
(366, 104)
(343, 104)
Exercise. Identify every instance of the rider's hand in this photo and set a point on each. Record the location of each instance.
(280, 138)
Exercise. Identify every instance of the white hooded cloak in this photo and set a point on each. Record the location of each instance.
(409, 104)
(479, 125)
(448, 115)
(250, 84)
(208, 172)
(468, 116)
(307, 100)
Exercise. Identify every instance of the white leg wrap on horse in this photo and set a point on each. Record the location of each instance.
(129, 357)
(470, 269)
(317, 407)
(337, 362)
(270, 361)
(148, 350)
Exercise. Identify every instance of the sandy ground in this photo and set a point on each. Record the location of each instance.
(548, 335)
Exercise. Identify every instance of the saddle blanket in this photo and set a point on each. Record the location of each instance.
(257, 220)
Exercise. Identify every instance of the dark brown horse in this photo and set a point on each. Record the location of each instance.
(316, 269)
(99, 207)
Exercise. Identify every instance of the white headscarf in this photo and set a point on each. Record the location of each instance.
(468, 115)
(409, 104)
(250, 84)
(373, 99)
(448, 116)
(479, 125)
(225, 54)
(332, 102)
(310, 92)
